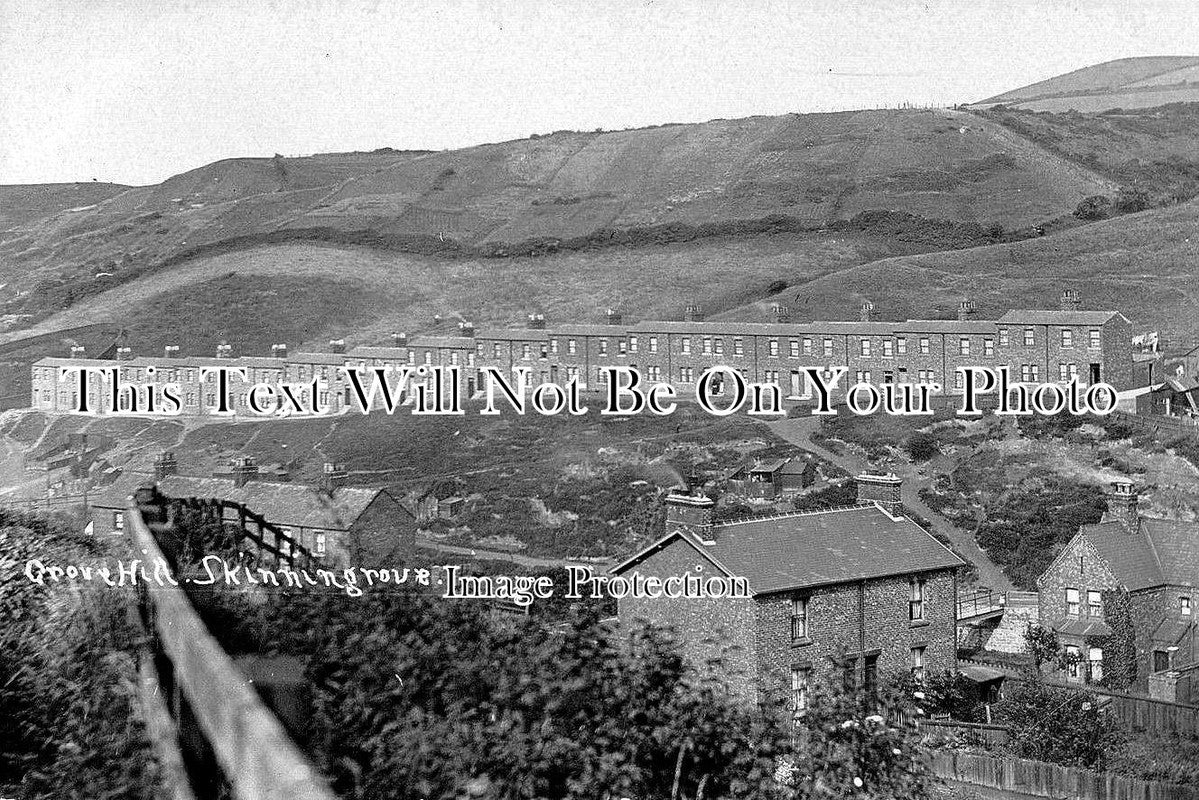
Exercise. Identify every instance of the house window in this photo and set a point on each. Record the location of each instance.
(828, 347)
(453, 358)
(1072, 601)
(870, 673)
(964, 346)
(800, 677)
(799, 619)
(632, 344)
(916, 603)
(865, 347)
(655, 374)
(603, 347)
(901, 346)
(685, 345)
(653, 344)
(924, 345)
(1185, 604)
(1073, 659)
(1067, 337)
(526, 352)
(318, 547)
(118, 520)
(863, 376)
(496, 350)
(621, 347)
(1095, 661)
(428, 357)
(807, 346)
(1095, 342)
(719, 347)
(1029, 339)
(1161, 660)
(1094, 603)
(739, 346)
(685, 374)
(795, 347)
(918, 663)
(571, 346)
(888, 348)
(773, 347)
(989, 348)
(554, 346)
(1003, 340)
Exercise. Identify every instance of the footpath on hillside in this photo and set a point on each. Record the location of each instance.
(798, 431)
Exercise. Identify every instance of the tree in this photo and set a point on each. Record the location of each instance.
(1097, 206)
(921, 446)
(853, 744)
(1042, 645)
(1065, 726)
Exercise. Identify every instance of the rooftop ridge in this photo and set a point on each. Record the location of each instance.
(789, 514)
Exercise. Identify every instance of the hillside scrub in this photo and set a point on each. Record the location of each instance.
(70, 721)
(415, 696)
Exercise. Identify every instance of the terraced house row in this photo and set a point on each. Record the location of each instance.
(1037, 346)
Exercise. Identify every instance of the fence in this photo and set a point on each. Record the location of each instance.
(1041, 779)
(1154, 716)
(1156, 423)
(219, 716)
(968, 732)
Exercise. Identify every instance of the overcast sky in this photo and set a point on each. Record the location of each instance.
(133, 91)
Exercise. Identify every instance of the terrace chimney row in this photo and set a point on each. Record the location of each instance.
(883, 489)
(1122, 502)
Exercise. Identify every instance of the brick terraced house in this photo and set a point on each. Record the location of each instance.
(851, 594)
(1134, 578)
(1036, 346)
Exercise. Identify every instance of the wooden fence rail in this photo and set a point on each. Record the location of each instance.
(216, 708)
(1042, 779)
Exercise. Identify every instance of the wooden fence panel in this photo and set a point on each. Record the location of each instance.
(255, 753)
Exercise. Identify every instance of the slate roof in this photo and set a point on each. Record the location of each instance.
(1072, 626)
(1162, 552)
(287, 504)
(1059, 317)
(796, 551)
(1169, 631)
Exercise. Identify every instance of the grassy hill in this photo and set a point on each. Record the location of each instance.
(494, 199)
(1124, 83)
(1141, 264)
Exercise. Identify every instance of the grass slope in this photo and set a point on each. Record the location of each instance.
(1141, 264)
(1124, 83)
(810, 168)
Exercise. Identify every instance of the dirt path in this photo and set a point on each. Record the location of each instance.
(798, 431)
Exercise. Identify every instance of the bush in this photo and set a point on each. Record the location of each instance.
(1065, 726)
(1095, 207)
(921, 446)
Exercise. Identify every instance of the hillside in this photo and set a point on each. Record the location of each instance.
(810, 169)
(1124, 83)
(1141, 264)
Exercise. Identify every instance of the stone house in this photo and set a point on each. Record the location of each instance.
(1121, 596)
(851, 594)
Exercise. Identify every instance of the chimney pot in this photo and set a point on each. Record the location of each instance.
(337, 346)
(78, 351)
(466, 328)
(165, 465)
(333, 476)
(536, 321)
(867, 312)
(693, 313)
(780, 312)
(224, 350)
(170, 351)
(692, 511)
(124, 353)
(244, 470)
(967, 309)
(1071, 301)
(399, 339)
(614, 317)
(278, 351)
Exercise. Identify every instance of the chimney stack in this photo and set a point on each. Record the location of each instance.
(1122, 505)
(692, 511)
(399, 339)
(694, 313)
(780, 313)
(170, 351)
(124, 354)
(967, 309)
(278, 351)
(165, 465)
(337, 346)
(536, 321)
(224, 350)
(867, 312)
(78, 351)
(881, 489)
(333, 477)
(613, 316)
(244, 470)
(1071, 300)
(466, 329)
